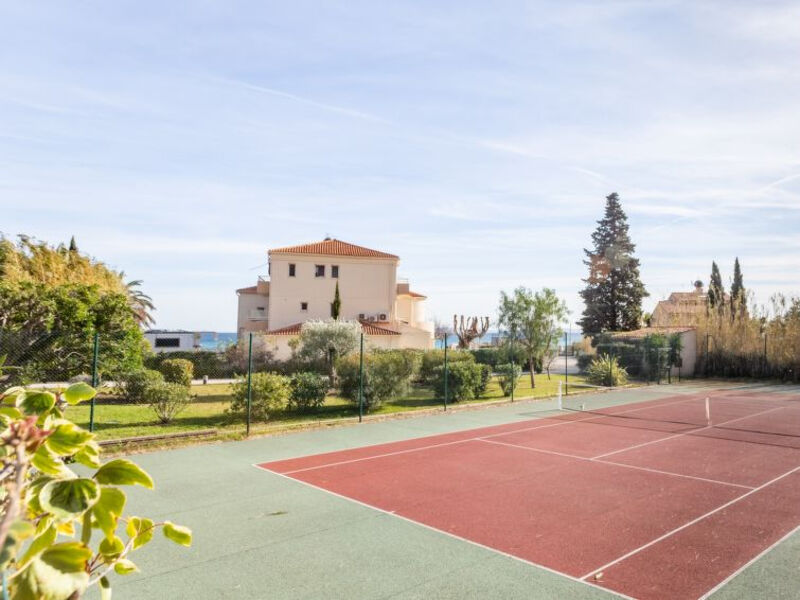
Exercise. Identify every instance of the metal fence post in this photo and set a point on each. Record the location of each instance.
(361, 381)
(513, 366)
(249, 380)
(445, 371)
(566, 365)
(94, 378)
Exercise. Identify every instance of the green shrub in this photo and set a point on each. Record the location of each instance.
(584, 360)
(463, 381)
(166, 399)
(508, 376)
(270, 394)
(177, 370)
(485, 356)
(433, 359)
(308, 390)
(605, 370)
(132, 385)
(387, 374)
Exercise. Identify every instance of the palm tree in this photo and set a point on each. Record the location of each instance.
(141, 304)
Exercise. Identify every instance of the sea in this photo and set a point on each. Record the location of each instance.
(492, 339)
(217, 340)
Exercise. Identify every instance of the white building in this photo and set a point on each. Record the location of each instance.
(165, 340)
(301, 286)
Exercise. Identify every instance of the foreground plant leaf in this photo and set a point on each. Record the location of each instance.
(123, 472)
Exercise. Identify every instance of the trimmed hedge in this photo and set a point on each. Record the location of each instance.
(433, 359)
(270, 394)
(134, 384)
(387, 374)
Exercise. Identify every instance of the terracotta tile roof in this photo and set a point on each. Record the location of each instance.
(412, 294)
(331, 247)
(367, 327)
(645, 331)
(247, 290)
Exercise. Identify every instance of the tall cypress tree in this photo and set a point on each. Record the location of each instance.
(716, 291)
(336, 305)
(614, 292)
(737, 288)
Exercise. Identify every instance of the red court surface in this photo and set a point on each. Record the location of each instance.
(650, 500)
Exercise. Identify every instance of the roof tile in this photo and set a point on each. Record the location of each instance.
(331, 247)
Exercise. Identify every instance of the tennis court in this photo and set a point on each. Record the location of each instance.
(663, 498)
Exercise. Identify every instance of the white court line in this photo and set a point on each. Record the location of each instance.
(693, 431)
(608, 462)
(472, 439)
(447, 533)
(748, 563)
(689, 524)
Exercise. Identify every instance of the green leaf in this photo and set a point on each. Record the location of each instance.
(40, 543)
(89, 455)
(68, 498)
(10, 395)
(18, 532)
(105, 588)
(47, 462)
(125, 567)
(78, 392)
(140, 530)
(123, 472)
(67, 438)
(67, 557)
(108, 509)
(10, 412)
(178, 534)
(40, 580)
(111, 549)
(36, 402)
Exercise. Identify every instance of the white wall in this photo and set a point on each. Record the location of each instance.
(248, 305)
(366, 286)
(186, 341)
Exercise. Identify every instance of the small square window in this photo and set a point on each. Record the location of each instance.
(319, 270)
(291, 269)
(304, 306)
(335, 271)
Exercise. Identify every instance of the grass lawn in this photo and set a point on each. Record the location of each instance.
(208, 410)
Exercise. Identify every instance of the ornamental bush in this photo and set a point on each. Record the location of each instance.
(486, 377)
(166, 399)
(464, 381)
(433, 359)
(508, 377)
(270, 394)
(132, 385)
(605, 370)
(387, 375)
(51, 513)
(308, 390)
(177, 370)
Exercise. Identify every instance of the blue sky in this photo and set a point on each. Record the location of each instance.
(179, 141)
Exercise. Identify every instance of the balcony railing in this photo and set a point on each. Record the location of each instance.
(257, 315)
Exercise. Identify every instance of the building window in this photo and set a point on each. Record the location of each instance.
(335, 271)
(304, 306)
(168, 343)
(319, 270)
(291, 269)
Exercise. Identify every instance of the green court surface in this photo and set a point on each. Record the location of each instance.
(260, 535)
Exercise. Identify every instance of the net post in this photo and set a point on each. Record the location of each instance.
(708, 412)
(560, 405)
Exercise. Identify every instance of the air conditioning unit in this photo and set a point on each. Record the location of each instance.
(371, 319)
(382, 317)
(361, 316)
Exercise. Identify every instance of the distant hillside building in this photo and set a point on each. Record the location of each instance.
(301, 285)
(172, 340)
(681, 309)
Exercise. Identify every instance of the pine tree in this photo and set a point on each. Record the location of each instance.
(336, 305)
(737, 289)
(73, 246)
(716, 291)
(614, 291)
